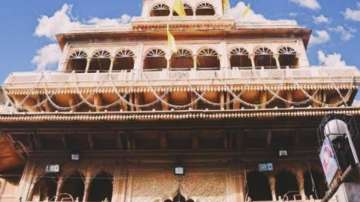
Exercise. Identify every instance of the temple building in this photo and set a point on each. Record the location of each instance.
(231, 116)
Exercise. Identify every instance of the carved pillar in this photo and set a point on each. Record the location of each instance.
(300, 181)
(252, 58)
(119, 185)
(26, 181)
(272, 182)
(222, 100)
(88, 60)
(195, 61)
(112, 64)
(87, 187)
(97, 102)
(276, 56)
(58, 188)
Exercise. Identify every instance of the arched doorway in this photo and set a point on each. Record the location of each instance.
(258, 186)
(205, 9)
(74, 186)
(101, 188)
(239, 58)
(288, 57)
(100, 61)
(124, 60)
(264, 57)
(182, 60)
(44, 189)
(208, 59)
(286, 185)
(77, 62)
(160, 10)
(179, 198)
(155, 60)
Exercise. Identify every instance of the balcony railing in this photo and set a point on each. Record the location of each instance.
(313, 75)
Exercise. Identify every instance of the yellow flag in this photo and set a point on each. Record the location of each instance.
(179, 7)
(226, 4)
(246, 11)
(171, 40)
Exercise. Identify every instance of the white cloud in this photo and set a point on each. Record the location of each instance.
(320, 19)
(331, 60)
(352, 14)
(47, 57)
(237, 13)
(124, 19)
(61, 22)
(345, 33)
(319, 37)
(311, 4)
(356, 103)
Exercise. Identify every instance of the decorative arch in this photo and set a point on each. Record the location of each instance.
(288, 57)
(264, 57)
(44, 189)
(155, 59)
(286, 185)
(100, 61)
(124, 60)
(182, 60)
(77, 61)
(208, 59)
(101, 187)
(160, 9)
(205, 8)
(239, 58)
(258, 186)
(73, 186)
(188, 10)
(179, 198)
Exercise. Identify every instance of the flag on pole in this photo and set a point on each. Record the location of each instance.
(179, 7)
(226, 4)
(246, 11)
(171, 40)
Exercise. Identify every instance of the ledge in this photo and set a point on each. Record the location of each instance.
(174, 115)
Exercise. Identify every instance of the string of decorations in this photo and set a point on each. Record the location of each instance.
(122, 98)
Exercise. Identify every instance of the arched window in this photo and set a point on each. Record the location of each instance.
(160, 10)
(44, 189)
(188, 10)
(100, 61)
(182, 60)
(288, 57)
(205, 9)
(258, 186)
(264, 57)
(155, 60)
(77, 62)
(124, 60)
(240, 59)
(314, 183)
(286, 186)
(101, 188)
(208, 59)
(73, 186)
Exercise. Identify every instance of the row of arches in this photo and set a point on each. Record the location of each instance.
(184, 59)
(73, 188)
(286, 186)
(258, 187)
(202, 9)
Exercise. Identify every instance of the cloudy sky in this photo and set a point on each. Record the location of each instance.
(28, 27)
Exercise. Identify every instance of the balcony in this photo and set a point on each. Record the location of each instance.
(344, 77)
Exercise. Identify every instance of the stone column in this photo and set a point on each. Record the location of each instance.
(87, 187)
(112, 64)
(119, 185)
(252, 58)
(272, 182)
(300, 181)
(88, 60)
(276, 56)
(195, 62)
(58, 188)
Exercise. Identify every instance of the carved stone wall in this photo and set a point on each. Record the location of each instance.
(159, 185)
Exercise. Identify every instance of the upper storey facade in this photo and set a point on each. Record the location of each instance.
(220, 64)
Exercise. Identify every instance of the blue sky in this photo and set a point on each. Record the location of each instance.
(19, 44)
